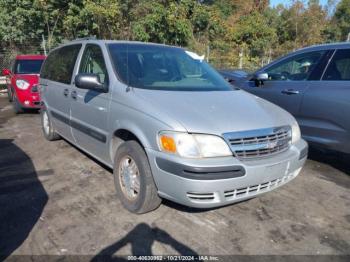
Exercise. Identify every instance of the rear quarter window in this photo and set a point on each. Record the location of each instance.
(339, 68)
(60, 63)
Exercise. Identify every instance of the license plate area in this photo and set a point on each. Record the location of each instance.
(277, 170)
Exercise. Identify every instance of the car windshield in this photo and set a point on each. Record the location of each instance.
(164, 68)
(28, 66)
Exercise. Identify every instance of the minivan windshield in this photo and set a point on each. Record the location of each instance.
(27, 66)
(160, 67)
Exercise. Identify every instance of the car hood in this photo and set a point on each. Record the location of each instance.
(236, 77)
(236, 73)
(216, 112)
(30, 78)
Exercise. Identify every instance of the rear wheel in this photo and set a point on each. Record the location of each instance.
(17, 107)
(48, 130)
(133, 179)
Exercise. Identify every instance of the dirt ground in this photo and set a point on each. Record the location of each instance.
(56, 200)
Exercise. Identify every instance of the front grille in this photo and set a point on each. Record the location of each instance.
(259, 143)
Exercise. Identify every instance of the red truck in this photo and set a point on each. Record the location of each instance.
(23, 80)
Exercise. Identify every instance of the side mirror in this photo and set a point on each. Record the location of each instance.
(6, 72)
(259, 78)
(90, 81)
(262, 76)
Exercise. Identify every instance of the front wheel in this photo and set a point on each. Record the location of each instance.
(48, 130)
(17, 107)
(133, 179)
(9, 94)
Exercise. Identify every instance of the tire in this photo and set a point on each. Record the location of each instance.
(17, 107)
(9, 94)
(47, 127)
(147, 198)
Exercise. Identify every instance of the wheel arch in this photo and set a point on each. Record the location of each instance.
(123, 134)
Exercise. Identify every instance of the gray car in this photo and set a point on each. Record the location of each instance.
(313, 84)
(168, 124)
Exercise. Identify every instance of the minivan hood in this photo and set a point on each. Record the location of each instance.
(216, 112)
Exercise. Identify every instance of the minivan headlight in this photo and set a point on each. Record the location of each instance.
(22, 84)
(193, 145)
(295, 132)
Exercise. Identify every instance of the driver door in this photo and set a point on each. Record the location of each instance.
(288, 80)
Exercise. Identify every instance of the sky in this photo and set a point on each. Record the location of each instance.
(276, 2)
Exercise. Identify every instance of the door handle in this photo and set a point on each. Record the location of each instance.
(65, 92)
(74, 95)
(290, 92)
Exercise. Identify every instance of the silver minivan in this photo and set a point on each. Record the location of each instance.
(167, 123)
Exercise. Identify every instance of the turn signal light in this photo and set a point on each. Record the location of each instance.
(168, 144)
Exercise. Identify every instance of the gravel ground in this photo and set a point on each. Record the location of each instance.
(56, 200)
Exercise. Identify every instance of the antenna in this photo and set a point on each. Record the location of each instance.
(127, 67)
(44, 45)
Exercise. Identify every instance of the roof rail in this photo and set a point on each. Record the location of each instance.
(85, 38)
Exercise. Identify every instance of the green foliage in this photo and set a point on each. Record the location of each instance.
(254, 31)
(166, 22)
(225, 27)
(225, 7)
(341, 20)
(93, 18)
(17, 20)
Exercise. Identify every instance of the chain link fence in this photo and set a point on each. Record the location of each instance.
(242, 58)
(9, 53)
(233, 58)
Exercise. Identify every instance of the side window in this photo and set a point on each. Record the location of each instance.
(297, 68)
(339, 68)
(93, 62)
(60, 64)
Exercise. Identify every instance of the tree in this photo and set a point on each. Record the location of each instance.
(254, 31)
(20, 23)
(341, 20)
(100, 18)
(51, 16)
(300, 25)
(224, 27)
(162, 22)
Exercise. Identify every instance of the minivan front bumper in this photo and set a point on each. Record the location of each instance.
(212, 182)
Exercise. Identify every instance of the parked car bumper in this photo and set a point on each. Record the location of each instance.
(28, 99)
(206, 183)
